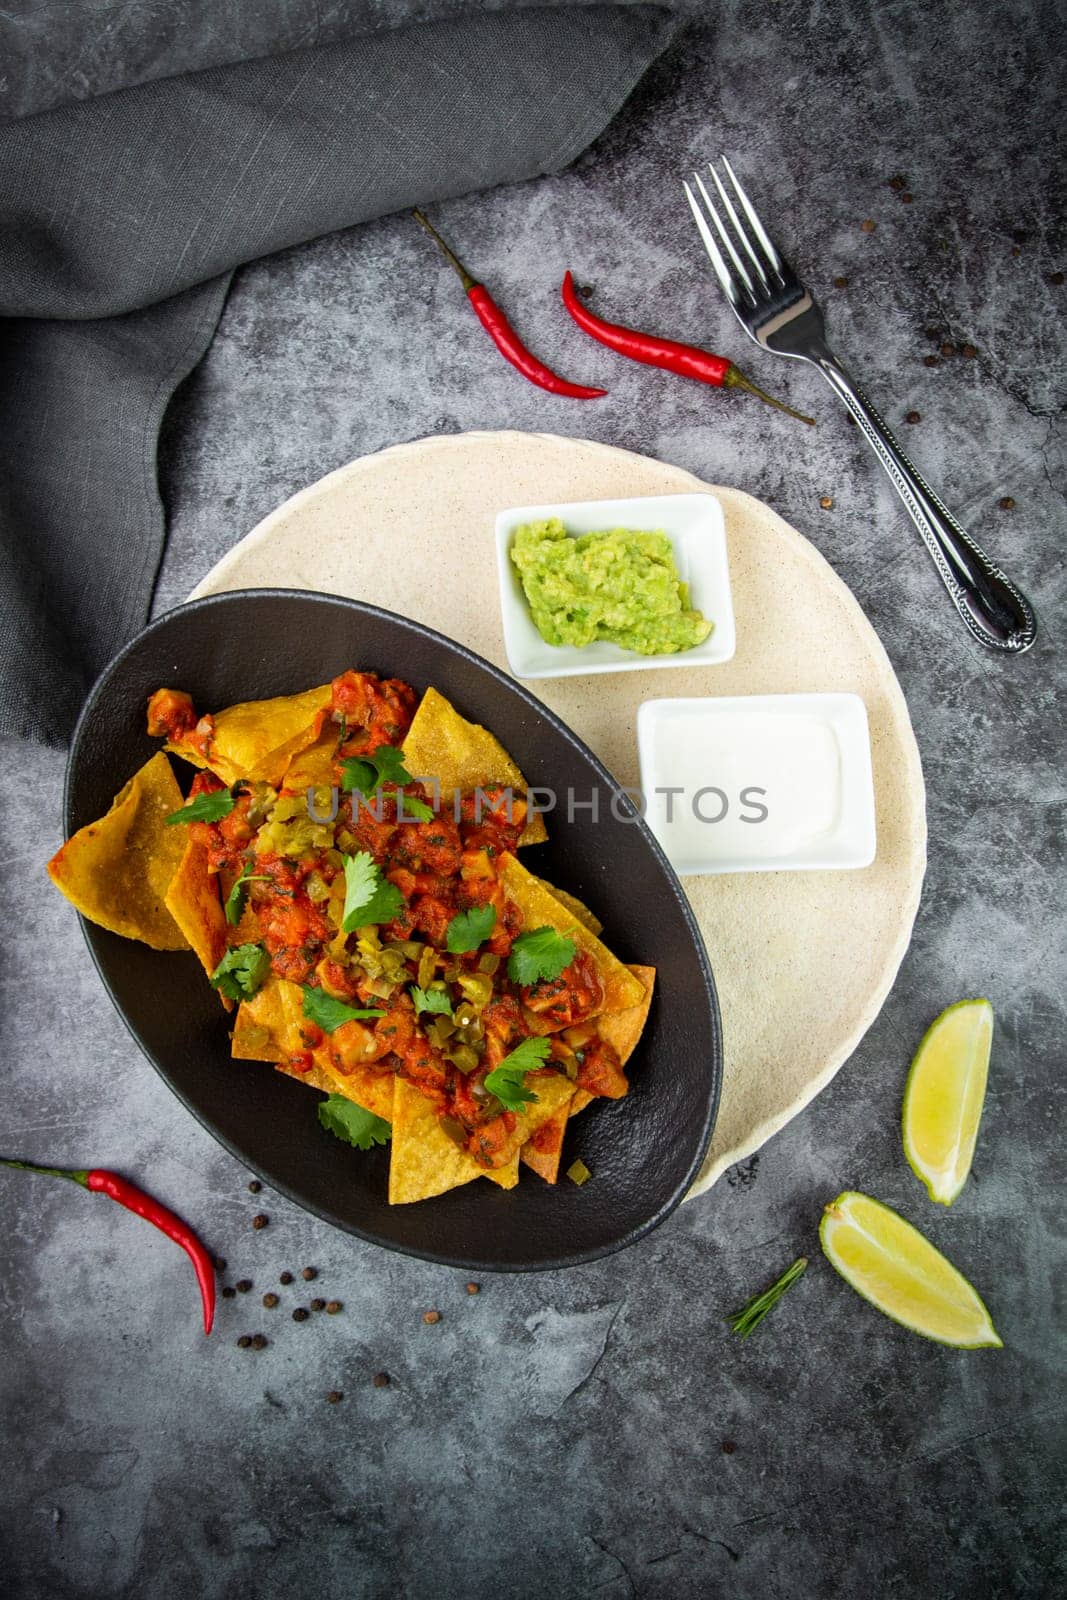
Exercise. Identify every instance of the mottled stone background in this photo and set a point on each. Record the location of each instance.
(601, 1431)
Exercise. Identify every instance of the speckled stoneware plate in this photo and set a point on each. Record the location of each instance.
(802, 961)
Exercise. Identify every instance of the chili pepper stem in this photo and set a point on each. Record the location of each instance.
(450, 256)
(734, 379)
(74, 1175)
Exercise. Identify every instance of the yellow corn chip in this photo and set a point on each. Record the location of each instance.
(257, 739)
(312, 768)
(543, 1149)
(193, 901)
(462, 756)
(116, 871)
(540, 909)
(623, 1030)
(269, 1027)
(576, 907)
(423, 1160)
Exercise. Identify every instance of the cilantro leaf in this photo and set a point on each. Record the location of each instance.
(327, 1013)
(431, 1000)
(241, 971)
(468, 929)
(411, 809)
(506, 1080)
(542, 953)
(235, 900)
(358, 774)
(347, 1121)
(368, 773)
(390, 763)
(208, 807)
(369, 898)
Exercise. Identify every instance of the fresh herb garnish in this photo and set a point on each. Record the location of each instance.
(468, 929)
(368, 773)
(241, 971)
(347, 1121)
(235, 900)
(542, 953)
(431, 1000)
(506, 1080)
(327, 1013)
(369, 897)
(209, 807)
(752, 1314)
(411, 809)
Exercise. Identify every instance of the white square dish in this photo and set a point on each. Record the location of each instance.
(710, 766)
(695, 526)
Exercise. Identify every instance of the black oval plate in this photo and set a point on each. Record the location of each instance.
(643, 1150)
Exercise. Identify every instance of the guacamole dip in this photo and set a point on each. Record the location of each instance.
(621, 585)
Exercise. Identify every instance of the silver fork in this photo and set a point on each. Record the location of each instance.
(775, 309)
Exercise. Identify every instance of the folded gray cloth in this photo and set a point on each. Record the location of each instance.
(124, 214)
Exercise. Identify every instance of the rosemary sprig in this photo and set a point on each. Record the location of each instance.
(752, 1314)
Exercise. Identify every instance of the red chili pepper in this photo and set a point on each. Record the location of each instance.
(502, 333)
(687, 359)
(142, 1205)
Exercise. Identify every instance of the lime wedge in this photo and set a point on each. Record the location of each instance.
(944, 1096)
(890, 1264)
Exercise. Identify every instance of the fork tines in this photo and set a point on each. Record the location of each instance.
(765, 262)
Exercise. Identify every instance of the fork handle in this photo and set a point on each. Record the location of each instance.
(995, 612)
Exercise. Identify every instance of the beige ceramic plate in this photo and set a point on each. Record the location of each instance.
(802, 961)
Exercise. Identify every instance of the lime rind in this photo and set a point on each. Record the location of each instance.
(944, 1184)
(840, 1215)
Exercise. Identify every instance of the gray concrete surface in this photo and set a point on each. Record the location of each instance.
(601, 1431)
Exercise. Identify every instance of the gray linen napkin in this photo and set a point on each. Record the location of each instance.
(124, 214)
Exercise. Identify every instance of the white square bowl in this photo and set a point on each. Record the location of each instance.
(693, 523)
(761, 741)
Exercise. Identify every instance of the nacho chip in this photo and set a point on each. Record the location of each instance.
(576, 907)
(424, 1161)
(623, 1030)
(540, 908)
(543, 1149)
(192, 899)
(269, 1027)
(462, 756)
(312, 768)
(315, 1078)
(371, 1089)
(116, 871)
(257, 739)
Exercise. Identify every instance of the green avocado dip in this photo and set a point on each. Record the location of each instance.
(621, 585)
